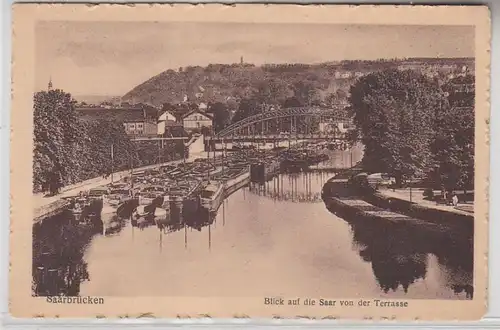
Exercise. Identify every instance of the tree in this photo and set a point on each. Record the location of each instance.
(221, 115)
(55, 131)
(271, 91)
(393, 113)
(168, 107)
(453, 143)
(102, 134)
(306, 91)
(68, 150)
(247, 108)
(292, 102)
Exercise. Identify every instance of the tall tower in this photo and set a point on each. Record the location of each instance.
(241, 60)
(50, 84)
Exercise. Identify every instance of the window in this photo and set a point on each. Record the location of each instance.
(139, 125)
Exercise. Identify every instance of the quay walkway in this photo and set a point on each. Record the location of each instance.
(417, 197)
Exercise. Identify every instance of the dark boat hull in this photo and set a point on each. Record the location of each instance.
(265, 171)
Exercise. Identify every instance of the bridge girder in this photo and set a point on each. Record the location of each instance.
(276, 114)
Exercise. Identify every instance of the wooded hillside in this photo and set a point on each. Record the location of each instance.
(272, 82)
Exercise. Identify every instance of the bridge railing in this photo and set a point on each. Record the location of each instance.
(278, 137)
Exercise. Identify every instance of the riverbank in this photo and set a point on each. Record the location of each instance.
(342, 198)
(344, 202)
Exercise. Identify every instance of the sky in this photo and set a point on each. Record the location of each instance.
(111, 58)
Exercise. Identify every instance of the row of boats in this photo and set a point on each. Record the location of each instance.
(268, 164)
(166, 196)
(172, 193)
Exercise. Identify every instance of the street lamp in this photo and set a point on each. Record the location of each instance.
(350, 153)
(410, 192)
(112, 162)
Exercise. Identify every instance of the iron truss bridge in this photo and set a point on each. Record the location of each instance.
(276, 137)
(275, 115)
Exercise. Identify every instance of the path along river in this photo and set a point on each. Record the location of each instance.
(274, 240)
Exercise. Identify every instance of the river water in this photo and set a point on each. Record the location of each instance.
(270, 240)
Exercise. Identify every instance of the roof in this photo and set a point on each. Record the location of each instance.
(118, 114)
(198, 111)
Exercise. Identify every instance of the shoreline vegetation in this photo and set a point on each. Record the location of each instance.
(69, 151)
(416, 129)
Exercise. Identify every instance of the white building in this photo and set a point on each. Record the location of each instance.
(162, 121)
(196, 120)
(167, 116)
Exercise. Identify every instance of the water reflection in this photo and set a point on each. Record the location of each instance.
(258, 228)
(298, 187)
(399, 254)
(58, 265)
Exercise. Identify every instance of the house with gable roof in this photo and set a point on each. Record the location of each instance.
(197, 119)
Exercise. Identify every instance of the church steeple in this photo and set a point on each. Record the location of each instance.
(50, 84)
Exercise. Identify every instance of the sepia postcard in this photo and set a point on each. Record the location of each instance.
(249, 161)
